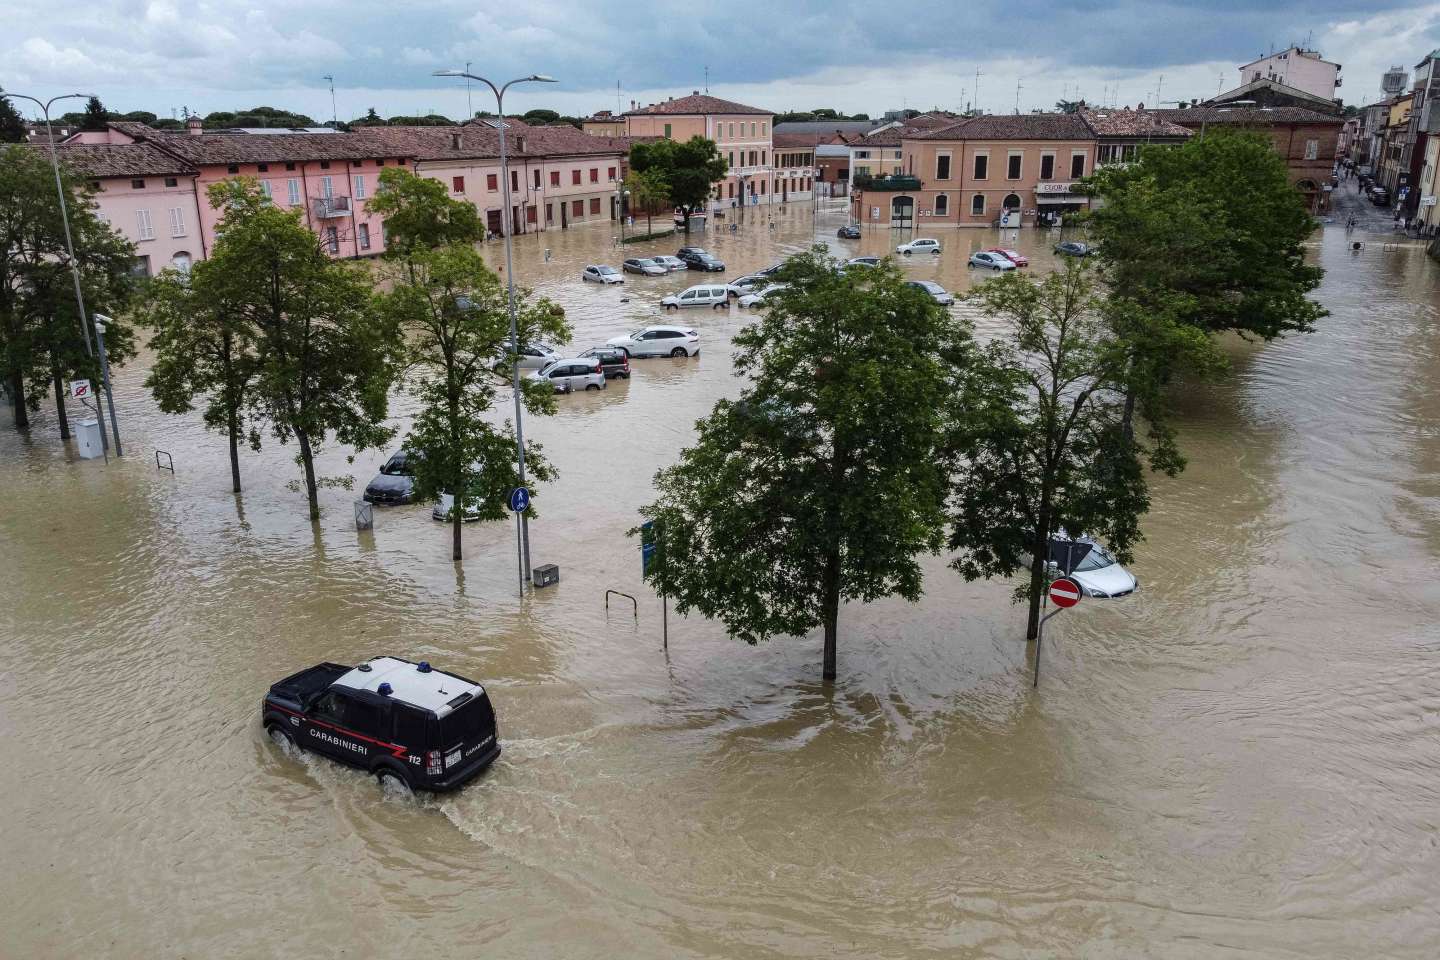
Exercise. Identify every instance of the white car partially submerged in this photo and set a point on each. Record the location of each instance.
(762, 297)
(659, 341)
(1098, 572)
(924, 245)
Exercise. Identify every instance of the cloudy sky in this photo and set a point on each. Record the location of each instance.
(207, 55)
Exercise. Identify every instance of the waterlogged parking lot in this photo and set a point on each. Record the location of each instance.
(1242, 760)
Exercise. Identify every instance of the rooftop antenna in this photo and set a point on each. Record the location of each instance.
(618, 111)
(977, 89)
(334, 114)
(1158, 85)
(469, 107)
(1017, 98)
(707, 80)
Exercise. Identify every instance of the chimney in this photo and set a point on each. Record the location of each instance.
(520, 144)
(455, 141)
(694, 93)
(194, 126)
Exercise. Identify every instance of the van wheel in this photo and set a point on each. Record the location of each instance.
(671, 306)
(679, 352)
(717, 306)
(906, 252)
(392, 782)
(591, 386)
(280, 736)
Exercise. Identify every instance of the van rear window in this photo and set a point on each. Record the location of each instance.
(470, 723)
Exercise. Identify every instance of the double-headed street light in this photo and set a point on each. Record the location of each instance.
(44, 106)
(523, 536)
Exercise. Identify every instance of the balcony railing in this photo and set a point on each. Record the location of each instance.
(894, 182)
(327, 208)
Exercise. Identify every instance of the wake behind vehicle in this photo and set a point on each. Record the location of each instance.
(410, 726)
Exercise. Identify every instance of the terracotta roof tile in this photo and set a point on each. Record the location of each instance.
(99, 160)
(1024, 126)
(698, 103)
(228, 148)
(481, 141)
(1258, 116)
(1132, 123)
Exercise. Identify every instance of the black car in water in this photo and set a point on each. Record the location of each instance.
(851, 231)
(410, 726)
(698, 258)
(394, 484)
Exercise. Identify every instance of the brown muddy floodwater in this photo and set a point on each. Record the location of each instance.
(1242, 760)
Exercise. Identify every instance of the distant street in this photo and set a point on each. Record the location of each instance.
(1346, 202)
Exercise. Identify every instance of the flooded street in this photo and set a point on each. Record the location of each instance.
(1241, 760)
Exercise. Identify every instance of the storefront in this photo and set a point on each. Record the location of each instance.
(1053, 200)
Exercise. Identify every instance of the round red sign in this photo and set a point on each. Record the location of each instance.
(1065, 592)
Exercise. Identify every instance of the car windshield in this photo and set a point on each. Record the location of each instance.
(605, 270)
(932, 286)
(639, 333)
(1098, 558)
(396, 466)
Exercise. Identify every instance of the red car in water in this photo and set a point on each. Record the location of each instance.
(1014, 256)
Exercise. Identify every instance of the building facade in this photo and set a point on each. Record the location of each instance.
(985, 171)
(1296, 67)
(743, 134)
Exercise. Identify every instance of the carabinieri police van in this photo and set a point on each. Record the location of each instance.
(405, 723)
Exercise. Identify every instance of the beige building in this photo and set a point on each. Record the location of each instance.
(742, 134)
(1299, 68)
(604, 124)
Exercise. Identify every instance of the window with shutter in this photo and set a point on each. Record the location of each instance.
(142, 225)
(177, 222)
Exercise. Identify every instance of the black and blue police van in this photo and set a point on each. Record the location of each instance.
(407, 724)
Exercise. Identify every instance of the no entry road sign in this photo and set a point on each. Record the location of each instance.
(1065, 592)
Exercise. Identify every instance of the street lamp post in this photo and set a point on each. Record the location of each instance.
(523, 546)
(620, 194)
(100, 321)
(44, 106)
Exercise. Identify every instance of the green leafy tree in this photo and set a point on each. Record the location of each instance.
(1039, 442)
(824, 480)
(139, 116)
(327, 356)
(12, 125)
(454, 311)
(648, 191)
(689, 170)
(540, 117)
(96, 116)
(203, 349)
(371, 119)
(419, 213)
(1203, 238)
(42, 340)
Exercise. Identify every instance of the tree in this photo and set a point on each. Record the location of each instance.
(371, 119)
(1038, 442)
(419, 213)
(647, 190)
(1069, 106)
(810, 489)
(327, 356)
(689, 170)
(1204, 238)
(42, 341)
(540, 117)
(203, 348)
(454, 311)
(96, 116)
(12, 125)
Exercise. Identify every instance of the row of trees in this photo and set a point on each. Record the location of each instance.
(874, 427)
(42, 341)
(272, 336)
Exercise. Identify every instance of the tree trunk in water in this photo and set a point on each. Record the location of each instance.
(307, 458)
(830, 610)
(1037, 591)
(233, 428)
(17, 395)
(455, 522)
(60, 403)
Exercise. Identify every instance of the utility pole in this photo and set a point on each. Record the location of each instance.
(977, 90)
(1158, 85)
(469, 107)
(334, 114)
(1017, 98)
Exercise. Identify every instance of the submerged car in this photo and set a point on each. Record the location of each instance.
(919, 246)
(598, 273)
(851, 231)
(937, 293)
(446, 503)
(1092, 566)
(669, 263)
(1014, 256)
(1072, 248)
(394, 484)
(862, 262)
(761, 297)
(577, 373)
(991, 261)
(410, 726)
(643, 266)
(659, 341)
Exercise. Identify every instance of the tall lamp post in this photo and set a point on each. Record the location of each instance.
(100, 321)
(523, 546)
(620, 194)
(44, 106)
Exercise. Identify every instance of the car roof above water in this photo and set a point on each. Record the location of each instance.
(435, 691)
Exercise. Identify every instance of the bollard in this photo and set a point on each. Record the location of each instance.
(88, 440)
(364, 515)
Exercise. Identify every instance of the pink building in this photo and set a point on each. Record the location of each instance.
(559, 176)
(148, 196)
(743, 134)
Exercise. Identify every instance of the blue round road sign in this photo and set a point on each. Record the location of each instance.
(519, 500)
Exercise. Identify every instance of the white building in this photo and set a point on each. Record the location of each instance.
(1302, 69)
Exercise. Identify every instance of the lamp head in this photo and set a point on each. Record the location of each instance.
(448, 73)
(100, 321)
(542, 78)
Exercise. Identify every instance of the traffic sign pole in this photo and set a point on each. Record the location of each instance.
(1065, 593)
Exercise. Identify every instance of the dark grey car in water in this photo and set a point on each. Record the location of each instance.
(394, 484)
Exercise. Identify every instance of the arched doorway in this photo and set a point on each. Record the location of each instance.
(1010, 211)
(902, 211)
(181, 261)
(1311, 192)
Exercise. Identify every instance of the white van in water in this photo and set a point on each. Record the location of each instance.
(714, 295)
